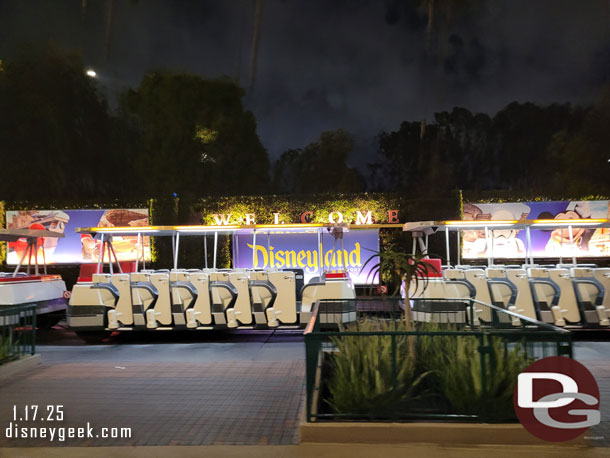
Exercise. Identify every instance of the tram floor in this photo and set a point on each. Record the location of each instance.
(203, 388)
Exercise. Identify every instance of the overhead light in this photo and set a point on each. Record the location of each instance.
(91, 73)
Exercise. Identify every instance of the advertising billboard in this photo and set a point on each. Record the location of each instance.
(583, 242)
(298, 249)
(76, 248)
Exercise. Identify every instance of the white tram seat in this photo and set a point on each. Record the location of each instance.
(263, 294)
(545, 293)
(284, 308)
(161, 313)
(223, 296)
(143, 296)
(183, 295)
(476, 277)
(568, 305)
(123, 310)
(462, 288)
(602, 275)
(502, 291)
(524, 303)
(201, 312)
(105, 292)
(590, 295)
(241, 310)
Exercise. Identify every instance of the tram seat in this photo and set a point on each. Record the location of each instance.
(284, 308)
(568, 304)
(143, 296)
(477, 278)
(503, 293)
(183, 295)
(590, 296)
(201, 312)
(545, 294)
(602, 275)
(441, 300)
(462, 289)
(263, 295)
(162, 310)
(223, 296)
(241, 310)
(106, 292)
(122, 312)
(524, 303)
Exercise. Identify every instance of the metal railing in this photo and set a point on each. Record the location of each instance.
(17, 332)
(488, 355)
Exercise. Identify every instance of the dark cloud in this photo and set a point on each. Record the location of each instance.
(357, 64)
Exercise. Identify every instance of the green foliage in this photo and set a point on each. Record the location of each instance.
(6, 350)
(455, 363)
(57, 134)
(363, 380)
(319, 167)
(196, 138)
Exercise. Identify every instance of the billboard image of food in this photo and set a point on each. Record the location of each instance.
(76, 248)
(511, 243)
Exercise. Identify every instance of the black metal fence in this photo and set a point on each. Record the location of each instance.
(17, 332)
(378, 367)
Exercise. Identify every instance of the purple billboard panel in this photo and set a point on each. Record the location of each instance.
(582, 241)
(298, 249)
(77, 248)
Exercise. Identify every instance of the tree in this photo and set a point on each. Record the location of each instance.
(196, 137)
(319, 167)
(55, 129)
(581, 153)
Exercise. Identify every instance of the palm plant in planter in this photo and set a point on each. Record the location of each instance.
(398, 268)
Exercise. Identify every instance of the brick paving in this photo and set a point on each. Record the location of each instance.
(240, 400)
(596, 357)
(249, 392)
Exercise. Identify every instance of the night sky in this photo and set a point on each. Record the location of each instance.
(365, 66)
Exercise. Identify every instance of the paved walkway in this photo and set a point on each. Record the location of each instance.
(245, 389)
(168, 394)
(596, 357)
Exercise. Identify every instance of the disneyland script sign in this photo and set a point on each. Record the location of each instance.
(360, 218)
(290, 249)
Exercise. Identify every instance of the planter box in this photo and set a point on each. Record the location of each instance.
(431, 433)
(12, 368)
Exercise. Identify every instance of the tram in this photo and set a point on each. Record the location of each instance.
(567, 294)
(201, 299)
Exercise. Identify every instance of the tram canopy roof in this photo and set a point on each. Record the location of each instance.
(222, 230)
(12, 235)
(429, 227)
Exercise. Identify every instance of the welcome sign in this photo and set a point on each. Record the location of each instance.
(299, 249)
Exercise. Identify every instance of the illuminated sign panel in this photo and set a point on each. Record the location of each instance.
(560, 242)
(77, 248)
(298, 249)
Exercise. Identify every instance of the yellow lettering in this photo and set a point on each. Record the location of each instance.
(329, 259)
(300, 258)
(279, 257)
(354, 257)
(264, 254)
(312, 259)
(291, 259)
